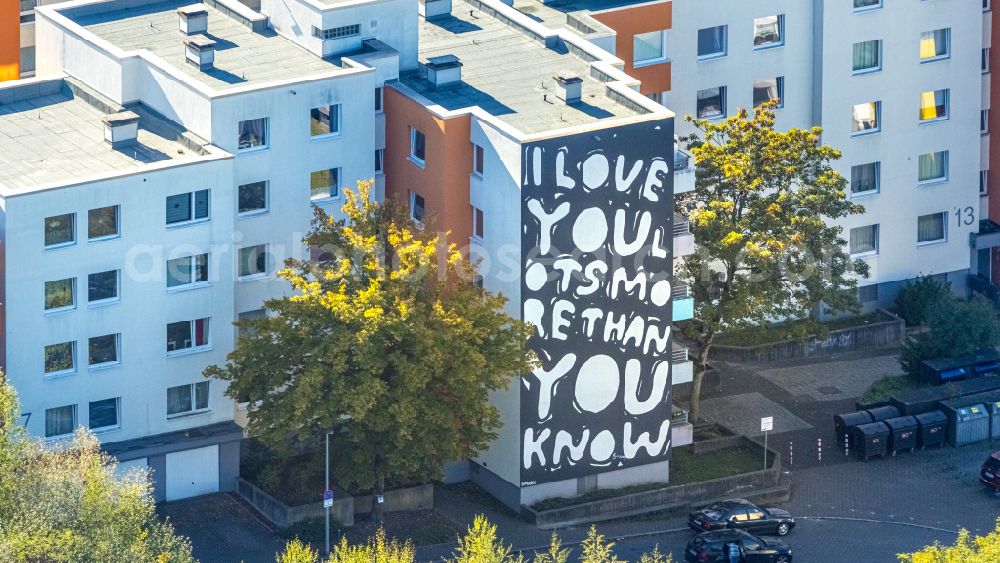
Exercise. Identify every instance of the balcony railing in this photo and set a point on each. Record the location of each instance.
(681, 226)
(679, 354)
(680, 290)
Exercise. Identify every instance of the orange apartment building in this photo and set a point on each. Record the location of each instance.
(10, 40)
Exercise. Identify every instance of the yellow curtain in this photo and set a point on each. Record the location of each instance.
(928, 49)
(928, 107)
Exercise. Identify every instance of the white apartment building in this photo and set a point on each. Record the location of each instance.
(896, 85)
(126, 261)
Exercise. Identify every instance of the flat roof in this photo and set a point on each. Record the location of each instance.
(553, 14)
(58, 137)
(242, 56)
(509, 74)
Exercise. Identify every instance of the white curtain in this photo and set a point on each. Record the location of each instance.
(933, 166)
(930, 227)
(60, 420)
(864, 239)
(866, 55)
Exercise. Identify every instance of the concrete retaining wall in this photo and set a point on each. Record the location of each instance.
(420, 497)
(668, 497)
(282, 515)
(885, 333)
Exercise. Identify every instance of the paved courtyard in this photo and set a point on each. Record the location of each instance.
(832, 381)
(732, 412)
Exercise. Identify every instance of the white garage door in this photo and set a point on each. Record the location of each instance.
(192, 473)
(126, 466)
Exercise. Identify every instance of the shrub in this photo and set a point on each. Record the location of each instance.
(955, 328)
(917, 297)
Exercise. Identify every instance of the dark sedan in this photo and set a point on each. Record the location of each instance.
(713, 547)
(989, 473)
(742, 515)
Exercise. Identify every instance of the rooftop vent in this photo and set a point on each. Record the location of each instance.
(569, 86)
(444, 70)
(200, 51)
(434, 8)
(193, 19)
(121, 129)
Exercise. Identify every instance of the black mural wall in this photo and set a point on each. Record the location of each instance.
(597, 248)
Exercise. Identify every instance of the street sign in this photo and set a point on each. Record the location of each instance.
(767, 424)
(328, 499)
(379, 499)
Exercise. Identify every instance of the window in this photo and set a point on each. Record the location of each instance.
(102, 286)
(325, 120)
(187, 271)
(417, 146)
(932, 167)
(649, 47)
(60, 230)
(103, 350)
(185, 399)
(60, 358)
(769, 90)
(478, 159)
(934, 105)
(865, 178)
(253, 134)
(861, 5)
(986, 5)
(60, 295)
(984, 181)
(324, 184)
(712, 103)
(253, 260)
(249, 316)
(379, 99)
(935, 45)
(379, 161)
(864, 240)
(103, 414)
(251, 198)
(866, 118)
(185, 335)
(984, 64)
(337, 32)
(417, 208)
(768, 31)
(984, 121)
(712, 42)
(185, 208)
(868, 293)
(477, 223)
(867, 56)
(60, 421)
(930, 228)
(102, 223)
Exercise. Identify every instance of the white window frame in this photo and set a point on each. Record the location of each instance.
(194, 220)
(478, 160)
(118, 416)
(878, 181)
(863, 9)
(867, 252)
(421, 162)
(781, 33)
(107, 300)
(379, 162)
(267, 199)
(984, 122)
(872, 69)
(74, 356)
(65, 244)
(193, 348)
(946, 55)
(333, 192)
(76, 423)
(984, 182)
(940, 179)
(267, 136)
(984, 61)
(380, 99)
(779, 85)
(333, 133)
(64, 309)
(194, 400)
(193, 284)
(413, 200)
(947, 106)
(239, 262)
(723, 101)
(476, 226)
(105, 365)
(725, 44)
(118, 224)
(639, 63)
(944, 222)
(878, 119)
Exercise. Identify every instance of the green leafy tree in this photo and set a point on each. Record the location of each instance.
(916, 298)
(596, 549)
(954, 328)
(66, 503)
(555, 554)
(966, 549)
(481, 545)
(760, 215)
(386, 342)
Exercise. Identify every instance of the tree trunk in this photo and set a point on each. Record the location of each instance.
(376, 505)
(694, 405)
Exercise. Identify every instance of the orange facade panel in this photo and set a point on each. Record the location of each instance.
(443, 181)
(10, 39)
(627, 23)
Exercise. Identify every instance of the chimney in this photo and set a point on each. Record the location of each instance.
(569, 86)
(193, 19)
(121, 129)
(200, 51)
(444, 70)
(434, 8)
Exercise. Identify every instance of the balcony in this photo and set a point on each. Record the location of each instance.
(681, 431)
(683, 238)
(683, 171)
(682, 366)
(683, 303)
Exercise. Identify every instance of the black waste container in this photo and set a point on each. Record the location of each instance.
(902, 434)
(871, 439)
(932, 428)
(843, 423)
(883, 413)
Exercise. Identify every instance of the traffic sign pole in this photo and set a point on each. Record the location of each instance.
(766, 424)
(326, 505)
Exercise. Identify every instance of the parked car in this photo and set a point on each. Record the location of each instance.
(743, 515)
(712, 547)
(989, 473)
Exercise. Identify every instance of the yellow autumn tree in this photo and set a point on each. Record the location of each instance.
(966, 549)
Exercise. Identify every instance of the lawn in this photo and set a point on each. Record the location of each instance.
(685, 467)
(790, 330)
(888, 386)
